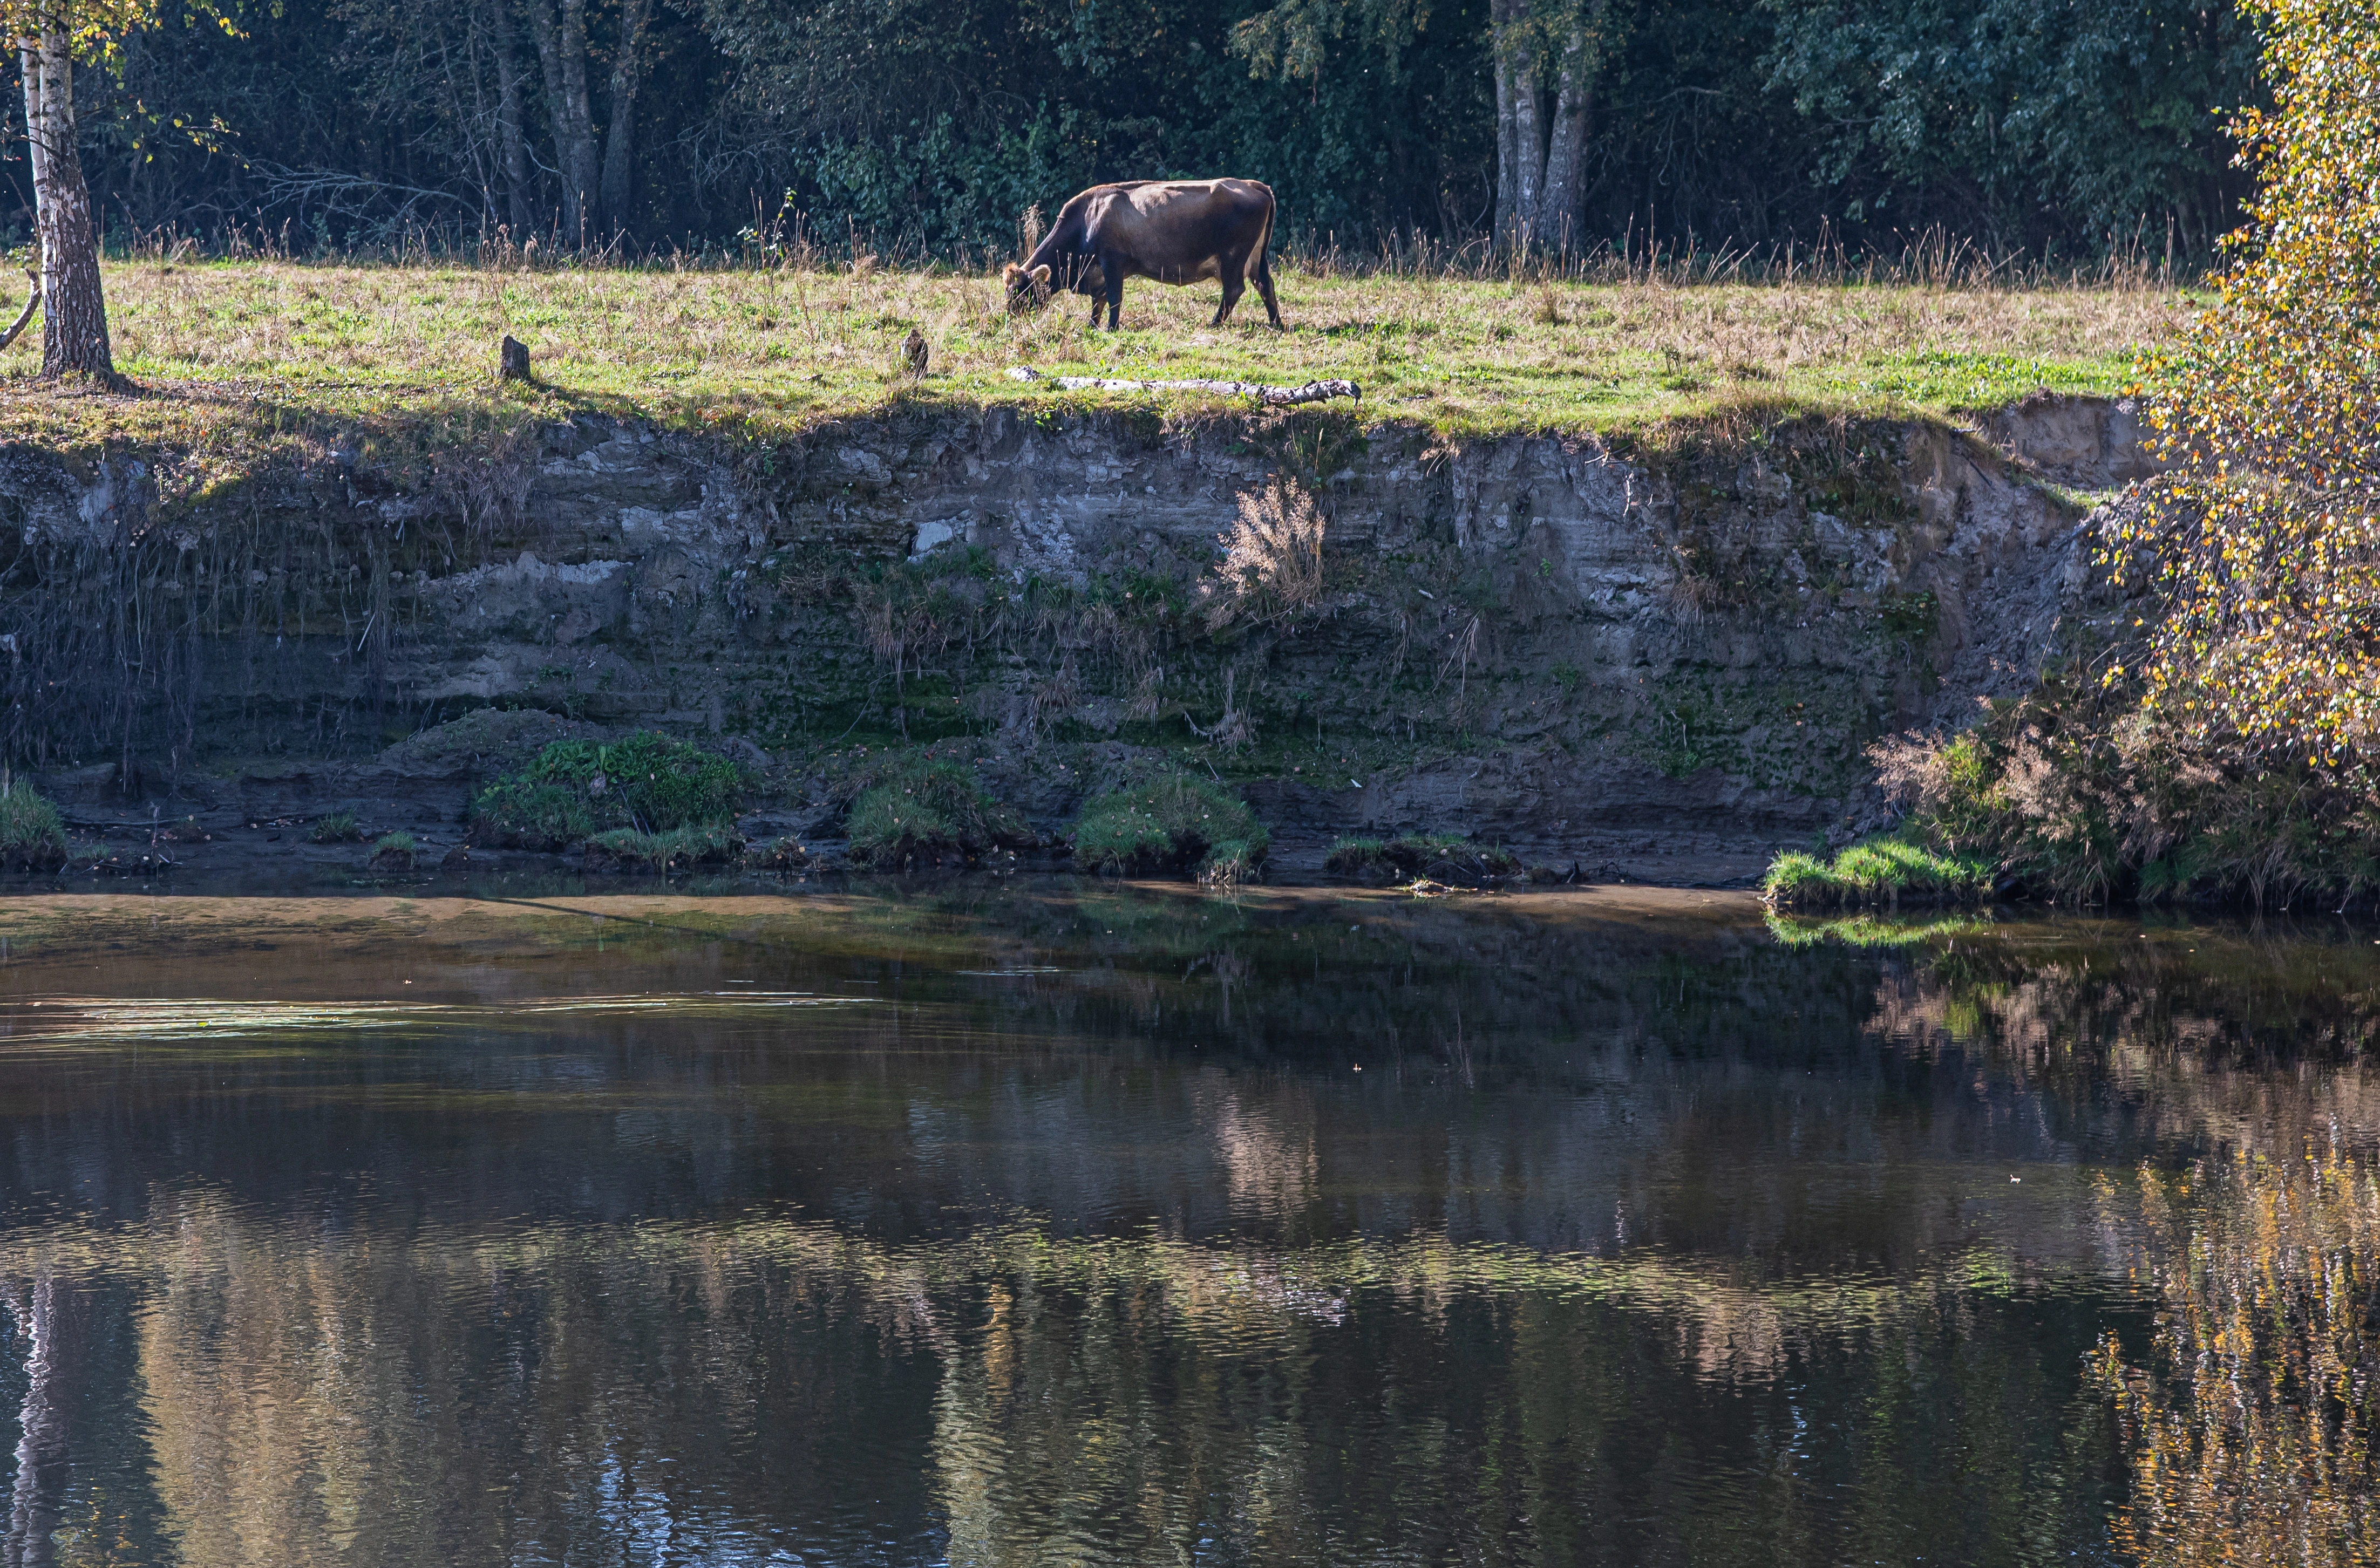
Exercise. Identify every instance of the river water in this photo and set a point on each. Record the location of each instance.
(1050, 1221)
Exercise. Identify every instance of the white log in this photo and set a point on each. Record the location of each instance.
(1274, 397)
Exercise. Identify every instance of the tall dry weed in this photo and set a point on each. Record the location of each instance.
(1272, 558)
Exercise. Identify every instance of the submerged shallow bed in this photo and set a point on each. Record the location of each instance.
(988, 1222)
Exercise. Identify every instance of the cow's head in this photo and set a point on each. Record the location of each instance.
(1026, 290)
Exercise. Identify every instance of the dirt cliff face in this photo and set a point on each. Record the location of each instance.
(1663, 654)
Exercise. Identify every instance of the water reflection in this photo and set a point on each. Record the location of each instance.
(995, 1226)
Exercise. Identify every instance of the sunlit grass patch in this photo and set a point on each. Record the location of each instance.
(1873, 871)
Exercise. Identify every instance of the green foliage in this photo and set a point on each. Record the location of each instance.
(1874, 871)
(2094, 114)
(920, 809)
(1167, 823)
(576, 788)
(339, 827)
(32, 837)
(2264, 544)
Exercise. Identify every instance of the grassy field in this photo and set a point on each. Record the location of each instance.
(227, 354)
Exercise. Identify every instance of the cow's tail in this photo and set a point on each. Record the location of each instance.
(1260, 263)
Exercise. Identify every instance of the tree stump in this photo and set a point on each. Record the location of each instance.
(512, 360)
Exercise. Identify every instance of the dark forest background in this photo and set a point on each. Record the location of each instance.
(2050, 127)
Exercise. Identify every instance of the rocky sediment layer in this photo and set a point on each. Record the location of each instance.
(1657, 657)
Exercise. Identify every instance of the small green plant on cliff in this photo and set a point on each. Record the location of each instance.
(577, 788)
(339, 827)
(394, 851)
(1881, 870)
(1170, 822)
(32, 835)
(917, 808)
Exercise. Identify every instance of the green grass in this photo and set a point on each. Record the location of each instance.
(1873, 871)
(241, 357)
(394, 851)
(1171, 822)
(914, 808)
(32, 837)
(339, 827)
(575, 789)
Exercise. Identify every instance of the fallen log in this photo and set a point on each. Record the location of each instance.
(1270, 397)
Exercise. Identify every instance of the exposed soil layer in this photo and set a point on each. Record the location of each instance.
(1657, 658)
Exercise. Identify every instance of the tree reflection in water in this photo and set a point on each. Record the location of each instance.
(1077, 1237)
(2250, 1424)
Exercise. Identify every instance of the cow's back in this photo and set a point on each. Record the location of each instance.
(1181, 222)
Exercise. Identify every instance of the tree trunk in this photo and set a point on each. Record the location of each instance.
(619, 141)
(74, 310)
(1541, 164)
(562, 50)
(512, 142)
(1501, 14)
(1562, 197)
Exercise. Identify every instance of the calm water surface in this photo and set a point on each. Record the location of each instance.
(1051, 1223)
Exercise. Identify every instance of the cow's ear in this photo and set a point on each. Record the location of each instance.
(1041, 274)
(1010, 273)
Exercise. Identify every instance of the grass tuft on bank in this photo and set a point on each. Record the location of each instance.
(32, 835)
(396, 364)
(1171, 822)
(914, 808)
(575, 789)
(1882, 871)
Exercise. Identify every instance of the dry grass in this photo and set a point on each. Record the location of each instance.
(234, 352)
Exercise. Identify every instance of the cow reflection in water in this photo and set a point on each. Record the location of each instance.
(1176, 231)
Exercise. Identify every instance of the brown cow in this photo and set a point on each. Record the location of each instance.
(1175, 231)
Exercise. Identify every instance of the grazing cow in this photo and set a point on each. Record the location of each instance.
(1175, 231)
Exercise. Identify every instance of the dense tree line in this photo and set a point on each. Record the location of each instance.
(2047, 126)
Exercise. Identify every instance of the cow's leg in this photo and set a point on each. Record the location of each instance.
(1235, 282)
(1112, 270)
(1264, 285)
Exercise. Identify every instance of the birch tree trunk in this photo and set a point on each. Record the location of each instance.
(1542, 162)
(619, 135)
(74, 310)
(562, 50)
